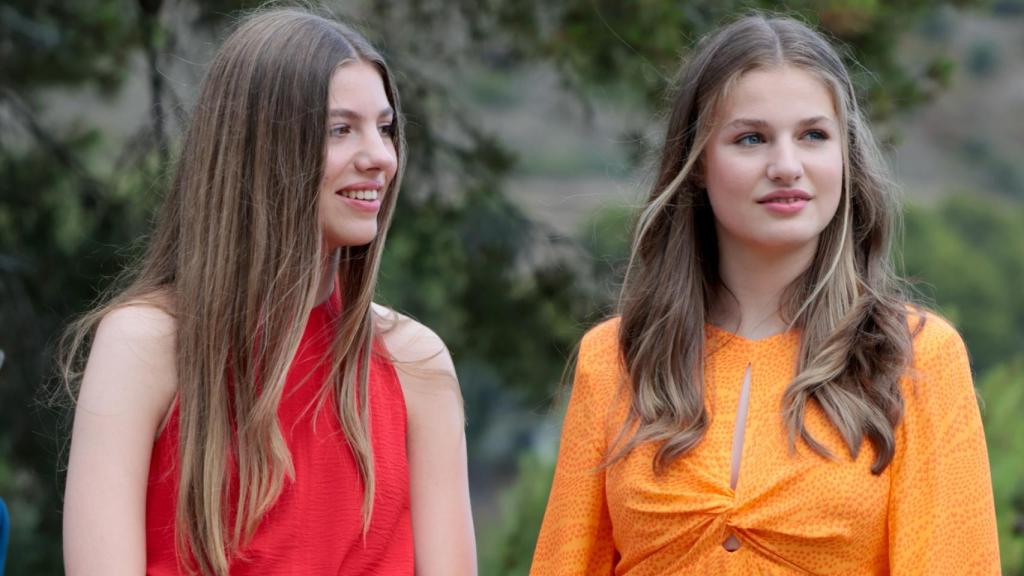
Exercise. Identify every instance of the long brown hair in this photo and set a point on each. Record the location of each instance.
(237, 253)
(848, 304)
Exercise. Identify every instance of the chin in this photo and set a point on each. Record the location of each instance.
(785, 242)
(350, 238)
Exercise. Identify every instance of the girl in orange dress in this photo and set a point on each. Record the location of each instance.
(766, 400)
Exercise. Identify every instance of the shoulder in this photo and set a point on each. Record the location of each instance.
(599, 373)
(599, 348)
(137, 334)
(934, 337)
(602, 339)
(940, 371)
(145, 323)
(138, 331)
(419, 356)
(132, 362)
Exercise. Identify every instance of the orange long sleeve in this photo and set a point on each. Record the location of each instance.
(941, 510)
(576, 535)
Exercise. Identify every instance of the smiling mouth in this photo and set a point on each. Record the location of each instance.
(367, 195)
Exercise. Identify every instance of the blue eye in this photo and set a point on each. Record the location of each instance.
(816, 135)
(750, 139)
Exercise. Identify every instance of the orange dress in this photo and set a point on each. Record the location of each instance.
(930, 512)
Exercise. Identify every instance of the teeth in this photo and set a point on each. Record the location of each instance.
(361, 194)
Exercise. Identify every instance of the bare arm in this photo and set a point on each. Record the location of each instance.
(127, 389)
(442, 520)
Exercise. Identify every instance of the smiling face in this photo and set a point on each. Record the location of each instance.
(773, 165)
(360, 158)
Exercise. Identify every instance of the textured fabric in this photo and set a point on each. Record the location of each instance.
(930, 512)
(315, 526)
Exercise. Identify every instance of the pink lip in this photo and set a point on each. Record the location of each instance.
(369, 206)
(365, 185)
(786, 201)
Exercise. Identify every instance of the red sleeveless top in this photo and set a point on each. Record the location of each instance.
(315, 526)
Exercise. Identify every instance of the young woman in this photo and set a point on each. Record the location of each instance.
(245, 408)
(767, 402)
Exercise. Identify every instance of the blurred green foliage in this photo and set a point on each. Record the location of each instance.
(638, 44)
(1001, 390)
(967, 256)
(509, 547)
(1000, 168)
(508, 295)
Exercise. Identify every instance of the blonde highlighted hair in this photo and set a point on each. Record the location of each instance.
(237, 253)
(848, 305)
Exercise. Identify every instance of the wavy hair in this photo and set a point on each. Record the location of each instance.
(237, 253)
(848, 304)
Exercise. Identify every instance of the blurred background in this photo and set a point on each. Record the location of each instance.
(531, 124)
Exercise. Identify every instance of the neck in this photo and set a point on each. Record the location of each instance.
(755, 281)
(328, 272)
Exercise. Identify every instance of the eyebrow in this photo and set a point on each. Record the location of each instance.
(351, 114)
(761, 124)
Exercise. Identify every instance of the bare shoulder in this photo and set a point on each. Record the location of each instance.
(126, 392)
(132, 360)
(420, 357)
(148, 322)
(141, 331)
(442, 519)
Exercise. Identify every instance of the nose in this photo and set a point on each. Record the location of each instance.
(785, 166)
(377, 154)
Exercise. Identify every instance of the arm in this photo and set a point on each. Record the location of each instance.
(941, 511)
(576, 535)
(442, 520)
(128, 386)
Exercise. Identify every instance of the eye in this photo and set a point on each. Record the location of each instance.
(338, 130)
(816, 135)
(388, 129)
(750, 139)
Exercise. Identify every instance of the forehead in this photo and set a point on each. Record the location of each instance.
(778, 93)
(357, 83)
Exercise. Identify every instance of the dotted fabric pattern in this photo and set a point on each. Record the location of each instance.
(930, 512)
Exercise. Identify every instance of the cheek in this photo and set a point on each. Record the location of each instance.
(730, 182)
(337, 160)
(728, 174)
(833, 168)
(392, 167)
(332, 164)
(830, 180)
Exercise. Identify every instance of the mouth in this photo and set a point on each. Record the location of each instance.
(365, 191)
(365, 195)
(793, 196)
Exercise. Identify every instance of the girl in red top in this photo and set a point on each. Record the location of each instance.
(244, 407)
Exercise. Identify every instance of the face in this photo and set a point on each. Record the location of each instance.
(360, 158)
(773, 166)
